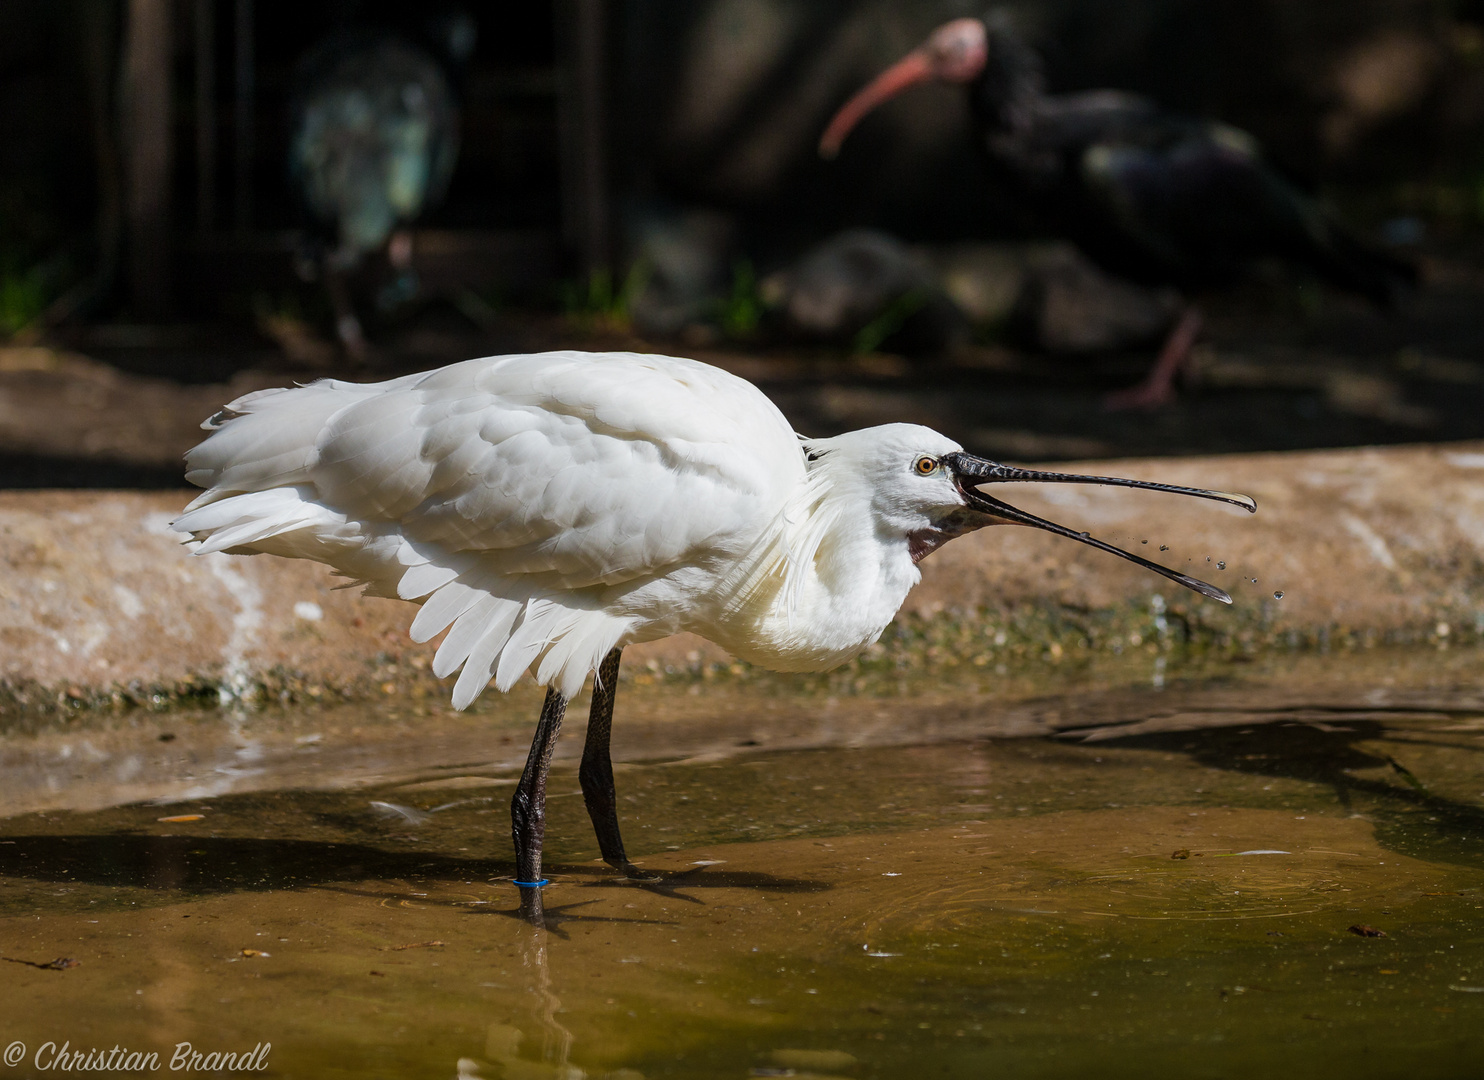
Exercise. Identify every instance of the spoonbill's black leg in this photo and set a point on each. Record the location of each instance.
(528, 807)
(596, 773)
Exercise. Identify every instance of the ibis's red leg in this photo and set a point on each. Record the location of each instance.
(1158, 387)
(596, 773)
(528, 807)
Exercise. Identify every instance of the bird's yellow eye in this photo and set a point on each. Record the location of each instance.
(925, 466)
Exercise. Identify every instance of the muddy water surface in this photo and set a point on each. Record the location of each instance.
(1255, 872)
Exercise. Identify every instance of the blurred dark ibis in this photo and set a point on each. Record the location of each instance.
(1158, 198)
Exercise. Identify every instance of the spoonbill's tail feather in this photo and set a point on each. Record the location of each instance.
(235, 523)
(441, 609)
(268, 438)
(497, 638)
(532, 634)
(480, 657)
(464, 636)
(488, 636)
(429, 577)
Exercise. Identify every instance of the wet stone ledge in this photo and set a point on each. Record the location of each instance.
(100, 607)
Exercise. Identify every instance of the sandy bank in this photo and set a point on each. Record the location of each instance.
(97, 598)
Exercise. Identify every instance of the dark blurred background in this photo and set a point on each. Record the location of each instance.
(643, 174)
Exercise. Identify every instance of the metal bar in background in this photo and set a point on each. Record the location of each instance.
(205, 115)
(588, 224)
(147, 127)
(243, 114)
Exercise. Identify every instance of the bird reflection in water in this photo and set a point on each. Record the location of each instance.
(502, 1045)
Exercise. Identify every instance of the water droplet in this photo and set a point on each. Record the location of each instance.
(1221, 566)
(1208, 558)
(1278, 595)
(1084, 535)
(1143, 541)
(1164, 547)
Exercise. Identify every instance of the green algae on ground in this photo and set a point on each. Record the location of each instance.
(1042, 641)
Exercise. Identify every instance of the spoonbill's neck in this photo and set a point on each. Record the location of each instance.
(822, 583)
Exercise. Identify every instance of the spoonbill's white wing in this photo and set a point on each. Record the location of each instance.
(547, 506)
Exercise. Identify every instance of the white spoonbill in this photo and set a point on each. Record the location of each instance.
(547, 510)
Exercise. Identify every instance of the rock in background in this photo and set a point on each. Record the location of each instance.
(1069, 305)
(682, 261)
(866, 291)
(864, 288)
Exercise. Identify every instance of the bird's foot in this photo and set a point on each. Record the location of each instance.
(633, 873)
(1146, 397)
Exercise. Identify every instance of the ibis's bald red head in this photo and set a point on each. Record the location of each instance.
(956, 52)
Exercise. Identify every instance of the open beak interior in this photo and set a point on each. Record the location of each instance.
(972, 471)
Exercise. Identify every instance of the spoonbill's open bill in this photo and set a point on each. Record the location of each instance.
(547, 510)
(1151, 196)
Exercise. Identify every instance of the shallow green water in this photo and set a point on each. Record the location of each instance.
(1146, 882)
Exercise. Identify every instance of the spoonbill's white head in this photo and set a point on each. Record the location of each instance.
(897, 470)
(924, 486)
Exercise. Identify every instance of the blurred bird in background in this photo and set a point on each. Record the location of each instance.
(374, 124)
(1158, 198)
